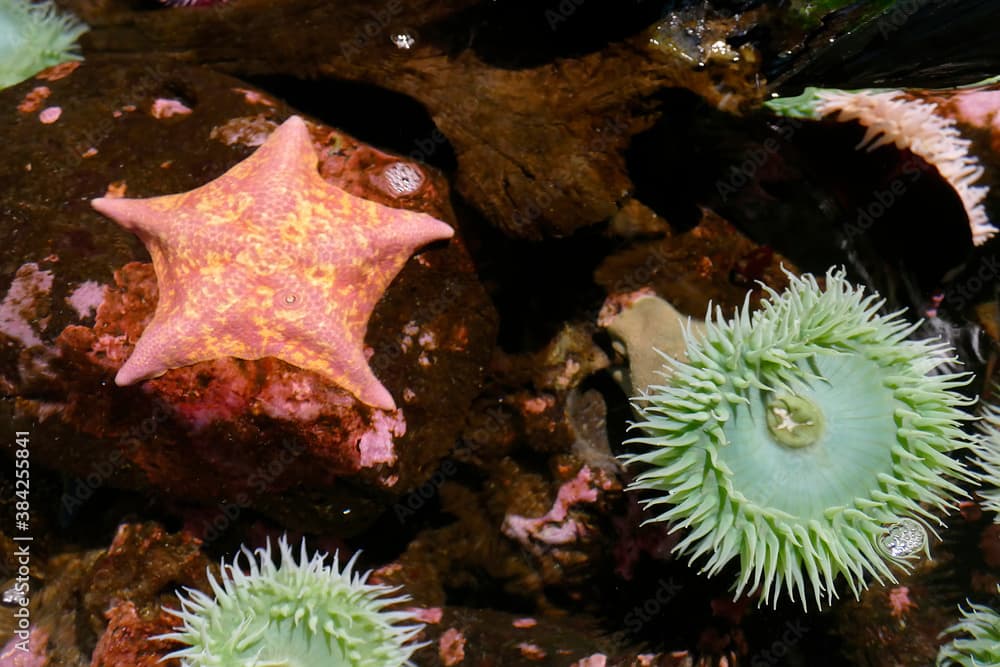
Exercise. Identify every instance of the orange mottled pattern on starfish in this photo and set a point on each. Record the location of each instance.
(270, 260)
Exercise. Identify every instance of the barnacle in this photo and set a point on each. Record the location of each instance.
(980, 647)
(33, 37)
(895, 117)
(296, 613)
(806, 440)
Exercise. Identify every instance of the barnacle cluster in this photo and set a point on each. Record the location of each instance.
(34, 36)
(979, 645)
(297, 613)
(807, 440)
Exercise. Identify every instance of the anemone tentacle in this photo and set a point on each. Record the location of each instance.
(800, 438)
(988, 459)
(34, 36)
(980, 644)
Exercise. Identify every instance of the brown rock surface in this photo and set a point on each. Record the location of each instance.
(540, 149)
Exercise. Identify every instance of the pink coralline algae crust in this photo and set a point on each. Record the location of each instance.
(60, 71)
(25, 306)
(334, 435)
(430, 615)
(26, 653)
(50, 115)
(33, 100)
(167, 108)
(121, 317)
(254, 97)
(556, 527)
(596, 660)
(451, 647)
(979, 108)
(531, 651)
(899, 601)
(86, 298)
(126, 642)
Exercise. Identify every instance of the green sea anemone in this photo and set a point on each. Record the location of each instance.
(981, 645)
(34, 36)
(301, 613)
(806, 440)
(988, 458)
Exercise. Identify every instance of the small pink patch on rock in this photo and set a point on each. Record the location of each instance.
(376, 445)
(224, 395)
(122, 315)
(25, 301)
(451, 647)
(28, 652)
(86, 298)
(536, 405)
(899, 600)
(596, 660)
(32, 102)
(459, 338)
(531, 651)
(524, 623)
(90, 152)
(60, 71)
(979, 107)
(426, 615)
(116, 190)
(254, 97)
(294, 396)
(50, 115)
(555, 527)
(166, 108)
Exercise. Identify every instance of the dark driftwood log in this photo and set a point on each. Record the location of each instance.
(540, 150)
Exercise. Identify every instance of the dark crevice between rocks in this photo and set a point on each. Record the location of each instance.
(537, 287)
(802, 188)
(377, 116)
(515, 34)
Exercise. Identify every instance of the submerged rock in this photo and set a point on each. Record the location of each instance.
(80, 291)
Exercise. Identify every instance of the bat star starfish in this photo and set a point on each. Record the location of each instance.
(270, 260)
